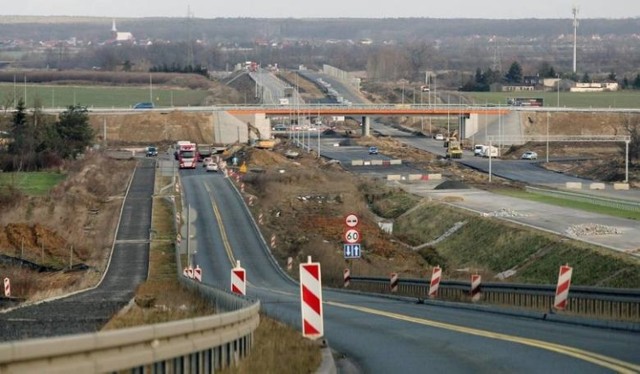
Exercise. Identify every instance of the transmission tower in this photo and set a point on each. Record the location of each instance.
(497, 56)
(575, 11)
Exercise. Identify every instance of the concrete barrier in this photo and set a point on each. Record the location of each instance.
(357, 162)
(376, 162)
(394, 177)
(415, 177)
(395, 162)
(621, 186)
(597, 186)
(435, 176)
(336, 144)
(574, 185)
(367, 163)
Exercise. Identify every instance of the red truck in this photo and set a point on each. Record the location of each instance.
(187, 156)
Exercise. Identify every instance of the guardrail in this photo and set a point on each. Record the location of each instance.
(606, 303)
(199, 345)
(587, 198)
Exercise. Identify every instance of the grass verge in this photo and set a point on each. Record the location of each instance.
(492, 246)
(567, 203)
(35, 183)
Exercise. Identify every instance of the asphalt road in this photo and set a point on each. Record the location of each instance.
(385, 335)
(89, 310)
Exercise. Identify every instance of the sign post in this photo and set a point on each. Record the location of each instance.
(238, 280)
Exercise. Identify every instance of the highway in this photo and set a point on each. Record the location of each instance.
(382, 334)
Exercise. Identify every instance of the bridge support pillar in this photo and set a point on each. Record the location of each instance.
(366, 126)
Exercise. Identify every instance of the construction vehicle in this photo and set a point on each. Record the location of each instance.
(454, 148)
(258, 141)
(187, 156)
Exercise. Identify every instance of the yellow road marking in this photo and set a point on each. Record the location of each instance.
(223, 233)
(594, 358)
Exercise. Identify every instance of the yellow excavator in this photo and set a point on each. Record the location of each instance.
(258, 142)
(454, 148)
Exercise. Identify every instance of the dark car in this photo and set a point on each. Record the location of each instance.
(143, 106)
(151, 152)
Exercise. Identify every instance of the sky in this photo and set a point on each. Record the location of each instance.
(494, 9)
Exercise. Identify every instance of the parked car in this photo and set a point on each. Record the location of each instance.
(206, 161)
(279, 128)
(439, 137)
(373, 150)
(529, 155)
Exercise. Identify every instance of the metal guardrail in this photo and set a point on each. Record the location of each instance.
(587, 198)
(606, 303)
(199, 345)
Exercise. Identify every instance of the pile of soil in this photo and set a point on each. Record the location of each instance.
(451, 185)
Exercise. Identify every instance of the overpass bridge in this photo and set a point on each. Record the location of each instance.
(466, 115)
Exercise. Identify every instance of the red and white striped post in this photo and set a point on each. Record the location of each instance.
(475, 293)
(197, 273)
(311, 300)
(185, 272)
(7, 287)
(289, 263)
(273, 241)
(237, 177)
(347, 277)
(562, 289)
(250, 200)
(178, 218)
(393, 282)
(190, 272)
(436, 274)
(242, 188)
(260, 216)
(239, 280)
(178, 239)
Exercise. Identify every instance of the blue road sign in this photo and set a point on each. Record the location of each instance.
(352, 250)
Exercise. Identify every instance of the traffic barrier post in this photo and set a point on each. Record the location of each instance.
(7, 287)
(562, 288)
(436, 275)
(347, 277)
(475, 287)
(289, 263)
(311, 299)
(239, 280)
(197, 273)
(393, 282)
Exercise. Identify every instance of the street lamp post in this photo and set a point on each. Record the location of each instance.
(558, 91)
(548, 136)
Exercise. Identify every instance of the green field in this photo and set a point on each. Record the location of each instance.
(32, 183)
(56, 96)
(620, 99)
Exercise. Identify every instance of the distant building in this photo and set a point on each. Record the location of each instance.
(595, 87)
(120, 36)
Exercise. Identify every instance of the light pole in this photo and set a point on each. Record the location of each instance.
(558, 91)
(548, 136)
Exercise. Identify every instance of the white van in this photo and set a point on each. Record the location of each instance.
(478, 150)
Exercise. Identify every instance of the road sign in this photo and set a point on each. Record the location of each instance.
(352, 236)
(352, 250)
(351, 220)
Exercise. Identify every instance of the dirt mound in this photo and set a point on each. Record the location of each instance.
(33, 242)
(451, 185)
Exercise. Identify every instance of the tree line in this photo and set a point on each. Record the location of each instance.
(38, 141)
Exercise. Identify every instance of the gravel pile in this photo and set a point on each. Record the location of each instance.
(591, 229)
(505, 212)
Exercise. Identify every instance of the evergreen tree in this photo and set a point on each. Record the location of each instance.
(73, 131)
(514, 75)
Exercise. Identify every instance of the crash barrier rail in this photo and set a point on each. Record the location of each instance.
(198, 345)
(606, 303)
(587, 198)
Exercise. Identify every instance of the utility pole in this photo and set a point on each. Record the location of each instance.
(575, 35)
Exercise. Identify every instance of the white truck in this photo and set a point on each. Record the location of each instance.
(490, 151)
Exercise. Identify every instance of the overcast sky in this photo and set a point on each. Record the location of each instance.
(327, 8)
